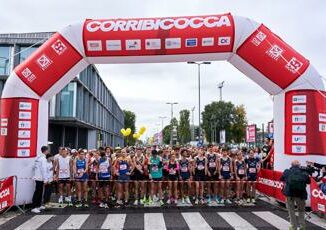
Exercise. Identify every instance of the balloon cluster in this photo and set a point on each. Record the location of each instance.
(127, 132)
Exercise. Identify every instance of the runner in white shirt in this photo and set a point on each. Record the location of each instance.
(64, 175)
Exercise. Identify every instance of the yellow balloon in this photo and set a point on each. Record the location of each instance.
(142, 130)
(123, 131)
(138, 135)
(128, 131)
(135, 135)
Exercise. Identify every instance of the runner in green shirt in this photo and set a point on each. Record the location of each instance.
(155, 175)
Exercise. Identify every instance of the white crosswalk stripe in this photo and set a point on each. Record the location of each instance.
(74, 221)
(236, 221)
(195, 221)
(154, 221)
(160, 221)
(273, 219)
(35, 222)
(114, 221)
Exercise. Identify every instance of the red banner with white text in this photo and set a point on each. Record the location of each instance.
(269, 184)
(318, 198)
(6, 193)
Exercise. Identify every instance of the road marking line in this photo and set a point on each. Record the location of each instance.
(154, 221)
(35, 222)
(317, 221)
(236, 221)
(114, 221)
(195, 221)
(273, 219)
(74, 221)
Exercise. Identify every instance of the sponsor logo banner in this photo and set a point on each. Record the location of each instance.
(48, 64)
(160, 36)
(305, 125)
(113, 45)
(21, 139)
(251, 133)
(271, 56)
(6, 193)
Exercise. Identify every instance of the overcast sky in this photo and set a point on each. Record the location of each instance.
(145, 88)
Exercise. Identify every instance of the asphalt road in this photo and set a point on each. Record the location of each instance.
(260, 216)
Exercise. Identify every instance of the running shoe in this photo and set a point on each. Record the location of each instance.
(228, 201)
(161, 202)
(78, 204)
(248, 200)
(196, 201)
(253, 200)
(60, 201)
(42, 207)
(136, 202)
(209, 200)
(106, 205)
(183, 200)
(101, 205)
(36, 210)
(222, 201)
(119, 202)
(150, 201)
(188, 200)
(202, 201)
(169, 201)
(85, 205)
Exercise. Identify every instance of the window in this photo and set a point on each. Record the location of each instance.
(5, 60)
(67, 100)
(25, 53)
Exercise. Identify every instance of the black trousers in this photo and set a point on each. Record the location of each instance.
(47, 193)
(38, 194)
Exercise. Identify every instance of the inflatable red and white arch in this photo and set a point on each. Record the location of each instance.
(299, 92)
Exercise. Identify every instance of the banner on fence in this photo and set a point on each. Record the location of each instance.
(318, 198)
(269, 184)
(7, 193)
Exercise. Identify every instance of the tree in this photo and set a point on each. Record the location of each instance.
(226, 116)
(130, 122)
(184, 132)
(240, 122)
(167, 130)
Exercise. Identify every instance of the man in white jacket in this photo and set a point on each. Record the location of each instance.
(40, 179)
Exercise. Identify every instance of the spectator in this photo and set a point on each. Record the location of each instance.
(296, 181)
(49, 178)
(40, 179)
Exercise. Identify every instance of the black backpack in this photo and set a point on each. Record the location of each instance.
(296, 182)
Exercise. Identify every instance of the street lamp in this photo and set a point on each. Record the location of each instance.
(220, 86)
(171, 103)
(198, 64)
(193, 124)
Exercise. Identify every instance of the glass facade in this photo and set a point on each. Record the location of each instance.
(84, 114)
(25, 52)
(67, 100)
(5, 52)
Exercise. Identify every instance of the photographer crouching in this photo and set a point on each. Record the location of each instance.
(296, 181)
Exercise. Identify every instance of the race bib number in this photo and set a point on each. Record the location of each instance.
(200, 167)
(155, 168)
(212, 164)
(184, 169)
(241, 172)
(252, 170)
(123, 167)
(103, 169)
(172, 172)
(63, 171)
(226, 168)
(80, 171)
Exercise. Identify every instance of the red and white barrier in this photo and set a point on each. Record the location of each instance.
(251, 47)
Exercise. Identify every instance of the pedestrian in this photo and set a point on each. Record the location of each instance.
(296, 181)
(40, 179)
(49, 178)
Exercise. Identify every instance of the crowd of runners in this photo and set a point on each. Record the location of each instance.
(147, 175)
